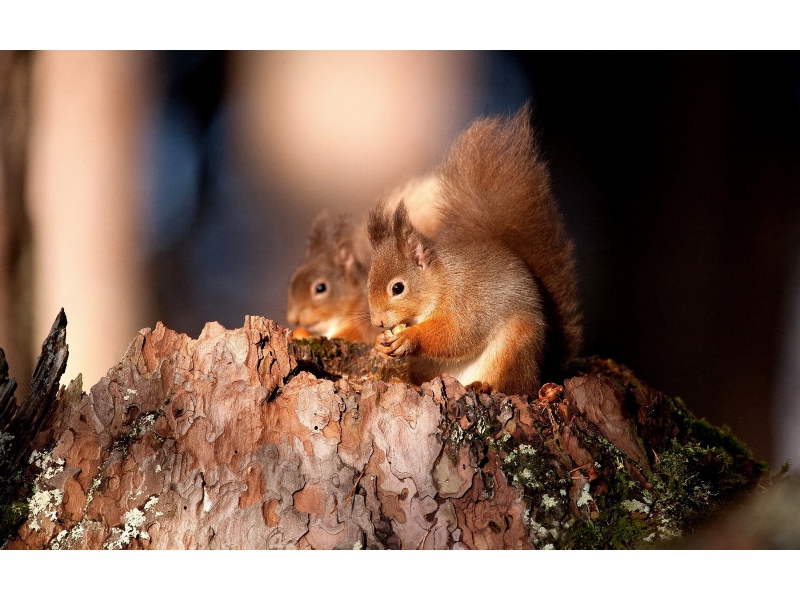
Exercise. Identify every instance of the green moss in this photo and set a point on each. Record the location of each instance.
(483, 433)
(623, 517)
(701, 469)
(317, 347)
(529, 469)
(698, 470)
(693, 480)
(12, 516)
(718, 440)
(615, 528)
(14, 487)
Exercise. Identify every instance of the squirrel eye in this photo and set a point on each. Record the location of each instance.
(320, 289)
(398, 288)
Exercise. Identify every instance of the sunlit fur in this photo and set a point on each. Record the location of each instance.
(495, 186)
(492, 296)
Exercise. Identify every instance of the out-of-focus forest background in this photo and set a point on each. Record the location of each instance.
(179, 186)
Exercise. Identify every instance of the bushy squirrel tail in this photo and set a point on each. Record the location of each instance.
(494, 185)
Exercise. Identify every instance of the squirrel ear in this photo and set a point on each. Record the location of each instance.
(344, 252)
(346, 258)
(320, 237)
(420, 250)
(411, 242)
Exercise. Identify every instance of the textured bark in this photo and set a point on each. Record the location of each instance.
(30, 422)
(244, 439)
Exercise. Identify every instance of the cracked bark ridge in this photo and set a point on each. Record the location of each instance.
(229, 441)
(7, 387)
(22, 423)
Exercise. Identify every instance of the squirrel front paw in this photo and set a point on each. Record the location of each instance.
(397, 344)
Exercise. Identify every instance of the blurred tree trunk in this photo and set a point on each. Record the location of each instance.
(246, 439)
(86, 200)
(15, 231)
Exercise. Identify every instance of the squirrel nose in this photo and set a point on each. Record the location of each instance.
(377, 322)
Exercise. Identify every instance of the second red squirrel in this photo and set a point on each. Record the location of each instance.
(492, 296)
(326, 294)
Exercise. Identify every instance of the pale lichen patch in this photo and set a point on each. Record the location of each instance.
(526, 517)
(147, 421)
(635, 506)
(585, 496)
(49, 467)
(151, 502)
(5, 438)
(66, 539)
(134, 519)
(527, 450)
(667, 529)
(43, 503)
(92, 489)
(56, 544)
(548, 501)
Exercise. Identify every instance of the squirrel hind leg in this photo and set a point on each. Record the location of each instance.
(512, 362)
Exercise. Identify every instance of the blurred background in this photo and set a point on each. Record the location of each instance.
(138, 187)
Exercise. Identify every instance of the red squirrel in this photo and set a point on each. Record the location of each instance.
(328, 291)
(491, 297)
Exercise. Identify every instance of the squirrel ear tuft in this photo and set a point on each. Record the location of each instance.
(378, 225)
(320, 240)
(343, 230)
(411, 242)
(402, 224)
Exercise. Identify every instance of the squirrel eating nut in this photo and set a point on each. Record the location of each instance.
(491, 296)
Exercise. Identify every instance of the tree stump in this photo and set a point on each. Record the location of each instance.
(246, 439)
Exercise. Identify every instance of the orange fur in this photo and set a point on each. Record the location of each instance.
(338, 256)
(492, 293)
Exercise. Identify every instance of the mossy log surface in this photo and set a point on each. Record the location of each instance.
(246, 439)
